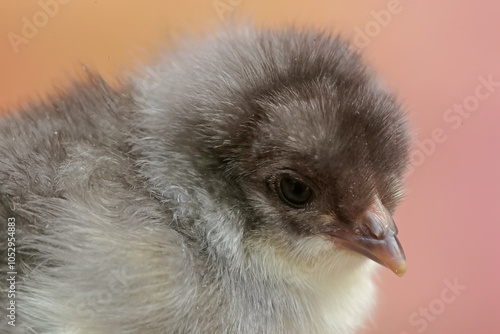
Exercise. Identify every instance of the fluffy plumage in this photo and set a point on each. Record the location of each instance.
(158, 207)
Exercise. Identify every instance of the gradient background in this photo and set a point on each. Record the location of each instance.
(431, 52)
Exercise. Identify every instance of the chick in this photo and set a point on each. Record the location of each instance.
(243, 185)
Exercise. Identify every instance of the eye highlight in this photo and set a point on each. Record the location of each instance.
(293, 192)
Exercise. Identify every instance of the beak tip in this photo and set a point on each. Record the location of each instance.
(400, 270)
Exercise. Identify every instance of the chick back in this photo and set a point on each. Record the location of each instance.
(94, 250)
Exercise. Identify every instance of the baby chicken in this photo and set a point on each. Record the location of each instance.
(243, 185)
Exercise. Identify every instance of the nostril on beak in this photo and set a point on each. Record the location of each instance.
(376, 226)
(377, 221)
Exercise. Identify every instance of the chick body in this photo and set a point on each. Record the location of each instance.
(149, 209)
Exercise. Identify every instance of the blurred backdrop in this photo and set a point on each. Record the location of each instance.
(442, 57)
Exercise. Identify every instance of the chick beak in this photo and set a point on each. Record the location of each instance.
(374, 236)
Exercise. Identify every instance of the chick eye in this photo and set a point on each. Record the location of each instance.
(294, 192)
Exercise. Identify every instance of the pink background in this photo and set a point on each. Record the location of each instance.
(431, 52)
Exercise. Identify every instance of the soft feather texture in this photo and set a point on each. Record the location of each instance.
(150, 209)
